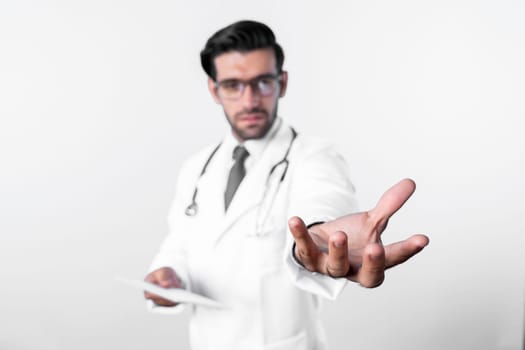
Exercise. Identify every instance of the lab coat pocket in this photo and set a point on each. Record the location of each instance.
(296, 342)
(284, 311)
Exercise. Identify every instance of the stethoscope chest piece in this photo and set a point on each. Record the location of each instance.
(192, 209)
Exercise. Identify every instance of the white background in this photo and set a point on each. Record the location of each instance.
(100, 102)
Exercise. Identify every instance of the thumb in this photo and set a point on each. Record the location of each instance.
(394, 198)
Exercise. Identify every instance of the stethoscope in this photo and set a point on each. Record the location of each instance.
(193, 208)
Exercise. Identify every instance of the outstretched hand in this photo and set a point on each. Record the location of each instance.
(351, 246)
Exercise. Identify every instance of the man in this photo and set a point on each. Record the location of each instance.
(268, 232)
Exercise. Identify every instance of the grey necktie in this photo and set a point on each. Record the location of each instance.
(236, 174)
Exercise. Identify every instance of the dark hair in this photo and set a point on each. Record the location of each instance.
(240, 36)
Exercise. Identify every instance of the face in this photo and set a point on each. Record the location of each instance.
(252, 114)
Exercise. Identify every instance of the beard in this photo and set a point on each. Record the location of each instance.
(255, 130)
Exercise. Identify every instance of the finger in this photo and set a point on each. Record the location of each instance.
(306, 251)
(372, 272)
(337, 262)
(158, 300)
(399, 252)
(169, 283)
(164, 277)
(152, 278)
(155, 298)
(394, 198)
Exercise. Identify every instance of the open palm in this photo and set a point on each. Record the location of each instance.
(351, 246)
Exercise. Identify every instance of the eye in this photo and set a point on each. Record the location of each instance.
(266, 84)
(230, 86)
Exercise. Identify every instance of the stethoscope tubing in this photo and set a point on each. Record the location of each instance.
(193, 208)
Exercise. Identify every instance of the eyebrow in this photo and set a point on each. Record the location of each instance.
(264, 75)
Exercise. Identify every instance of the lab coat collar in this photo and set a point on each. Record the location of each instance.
(255, 147)
(251, 190)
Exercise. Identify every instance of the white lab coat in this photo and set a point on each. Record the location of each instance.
(273, 303)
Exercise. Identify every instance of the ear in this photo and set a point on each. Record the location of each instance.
(213, 91)
(284, 83)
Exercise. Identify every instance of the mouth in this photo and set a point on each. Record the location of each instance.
(251, 118)
(251, 124)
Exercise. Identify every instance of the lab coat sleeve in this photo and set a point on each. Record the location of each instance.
(320, 190)
(172, 252)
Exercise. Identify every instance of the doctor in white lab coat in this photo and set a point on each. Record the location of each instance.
(243, 255)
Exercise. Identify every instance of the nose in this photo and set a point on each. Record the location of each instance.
(251, 96)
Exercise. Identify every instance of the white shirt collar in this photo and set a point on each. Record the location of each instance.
(254, 147)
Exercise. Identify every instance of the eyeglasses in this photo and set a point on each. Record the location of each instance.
(232, 89)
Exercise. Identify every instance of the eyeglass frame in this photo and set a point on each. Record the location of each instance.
(278, 78)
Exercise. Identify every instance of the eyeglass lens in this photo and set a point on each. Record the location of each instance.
(233, 89)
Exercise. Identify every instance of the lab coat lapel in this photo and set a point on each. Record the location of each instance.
(251, 190)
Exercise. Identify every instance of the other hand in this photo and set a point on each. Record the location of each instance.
(164, 277)
(351, 246)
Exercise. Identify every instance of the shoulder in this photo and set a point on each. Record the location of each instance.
(201, 156)
(305, 146)
(320, 159)
(314, 148)
(194, 164)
